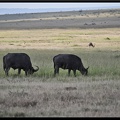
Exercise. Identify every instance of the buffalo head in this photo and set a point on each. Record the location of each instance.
(84, 71)
(32, 70)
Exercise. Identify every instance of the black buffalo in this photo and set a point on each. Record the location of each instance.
(18, 61)
(70, 62)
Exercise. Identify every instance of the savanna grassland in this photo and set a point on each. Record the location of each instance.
(42, 94)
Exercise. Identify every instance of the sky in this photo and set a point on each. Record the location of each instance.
(36, 5)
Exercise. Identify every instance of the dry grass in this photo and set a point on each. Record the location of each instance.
(60, 38)
(78, 98)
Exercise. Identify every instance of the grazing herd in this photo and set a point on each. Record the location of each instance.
(22, 61)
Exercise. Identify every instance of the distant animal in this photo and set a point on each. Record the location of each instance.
(70, 62)
(108, 38)
(91, 44)
(18, 61)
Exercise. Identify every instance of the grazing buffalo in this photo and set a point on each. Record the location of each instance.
(70, 62)
(18, 61)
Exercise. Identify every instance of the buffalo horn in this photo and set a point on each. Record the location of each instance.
(87, 67)
(35, 70)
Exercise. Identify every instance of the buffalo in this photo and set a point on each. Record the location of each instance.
(70, 62)
(18, 61)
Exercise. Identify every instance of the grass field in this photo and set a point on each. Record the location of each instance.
(41, 94)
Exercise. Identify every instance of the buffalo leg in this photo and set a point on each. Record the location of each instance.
(69, 70)
(74, 71)
(56, 70)
(19, 71)
(6, 71)
(26, 72)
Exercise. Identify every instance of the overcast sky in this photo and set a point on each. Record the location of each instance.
(35, 5)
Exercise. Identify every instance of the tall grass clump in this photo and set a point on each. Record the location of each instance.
(103, 63)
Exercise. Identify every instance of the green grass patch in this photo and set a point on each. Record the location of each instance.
(100, 63)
